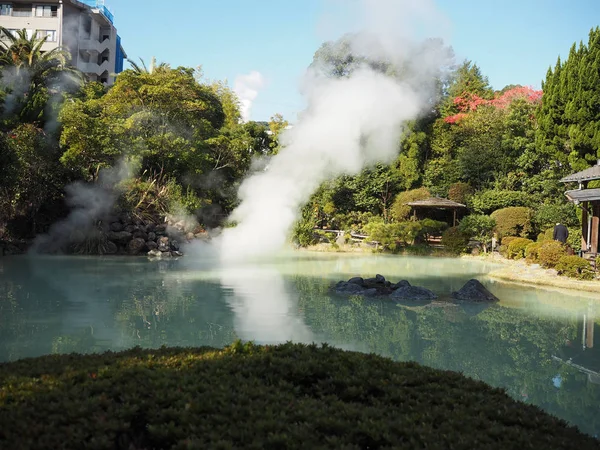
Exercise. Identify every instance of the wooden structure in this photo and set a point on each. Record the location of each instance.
(589, 202)
(437, 208)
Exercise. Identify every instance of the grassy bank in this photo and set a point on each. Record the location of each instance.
(246, 396)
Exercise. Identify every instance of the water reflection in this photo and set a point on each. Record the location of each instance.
(265, 308)
(540, 345)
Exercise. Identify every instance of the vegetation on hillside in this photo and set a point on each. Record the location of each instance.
(491, 150)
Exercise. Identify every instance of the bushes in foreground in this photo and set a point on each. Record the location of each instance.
(246, 396)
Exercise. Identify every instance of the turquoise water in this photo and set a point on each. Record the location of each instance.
(537, 344)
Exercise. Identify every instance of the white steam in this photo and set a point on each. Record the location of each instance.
(246, 87)
(350, 123)
(88, 203)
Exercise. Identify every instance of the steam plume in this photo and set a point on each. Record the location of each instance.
(88, 203)
(350, 123)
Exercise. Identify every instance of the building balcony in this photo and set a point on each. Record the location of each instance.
(95, 46)
(97, 69)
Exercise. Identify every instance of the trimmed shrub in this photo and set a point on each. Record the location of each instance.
(430, 227)
(455, 241)
(575, 267)
(504, 243)
(546, 235)
(304, 233)
(550, 253)
(399, 210)
(354, 220)
(574, 239)
(408, 231)
(385, 234)
(516, 248)
(479, 227)
(487, 201)
(389, 235)
(532, 252)
(290, 396)
(513, 221)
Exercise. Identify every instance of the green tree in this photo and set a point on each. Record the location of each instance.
(466, 82)
(569, 119)
(31, 77)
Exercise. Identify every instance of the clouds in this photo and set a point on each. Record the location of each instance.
(247, 87)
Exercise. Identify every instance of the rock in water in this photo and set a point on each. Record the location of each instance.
(474, 291)
(379, 278)
(409, 292)
(357, 280)
(399, 284)
(347, 288)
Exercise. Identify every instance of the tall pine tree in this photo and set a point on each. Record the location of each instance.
(568, 137)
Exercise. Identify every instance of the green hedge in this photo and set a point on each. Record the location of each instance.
(277, 397)
(575, 267)
(532, 252)
(455, 241)
(550, 253)
(516, 248)
(513, 221)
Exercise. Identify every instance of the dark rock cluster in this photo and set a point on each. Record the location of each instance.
(130, 236)
(473, 291)
(379, 286)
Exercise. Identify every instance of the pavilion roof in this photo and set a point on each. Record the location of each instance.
(589, 174)
(583, 195)
(435, 202)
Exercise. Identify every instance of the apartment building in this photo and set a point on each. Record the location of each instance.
(85, 27)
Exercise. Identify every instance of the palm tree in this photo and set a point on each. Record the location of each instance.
(140, 69)
(32, 75)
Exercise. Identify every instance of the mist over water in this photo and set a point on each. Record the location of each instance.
(350, 123)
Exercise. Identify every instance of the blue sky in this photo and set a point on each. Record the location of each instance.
(512, 41)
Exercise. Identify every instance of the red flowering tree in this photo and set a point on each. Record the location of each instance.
(469, 102)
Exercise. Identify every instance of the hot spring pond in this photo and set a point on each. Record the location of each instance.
(538, 344)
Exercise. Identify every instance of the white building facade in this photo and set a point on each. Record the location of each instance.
(85, 27)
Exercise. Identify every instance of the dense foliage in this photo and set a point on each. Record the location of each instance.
(176, 127)
(499, 152)
(247, 396)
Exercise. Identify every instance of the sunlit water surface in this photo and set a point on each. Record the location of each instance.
(538, 344)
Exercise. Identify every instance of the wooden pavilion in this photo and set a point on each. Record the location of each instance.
(437, 208)
(589, 202)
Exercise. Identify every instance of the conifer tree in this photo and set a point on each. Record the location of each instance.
(568, 137)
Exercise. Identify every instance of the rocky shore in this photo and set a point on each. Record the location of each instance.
(129, 236)
(119, 234)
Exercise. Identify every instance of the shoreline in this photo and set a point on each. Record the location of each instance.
(520, 272)
(513, 271)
